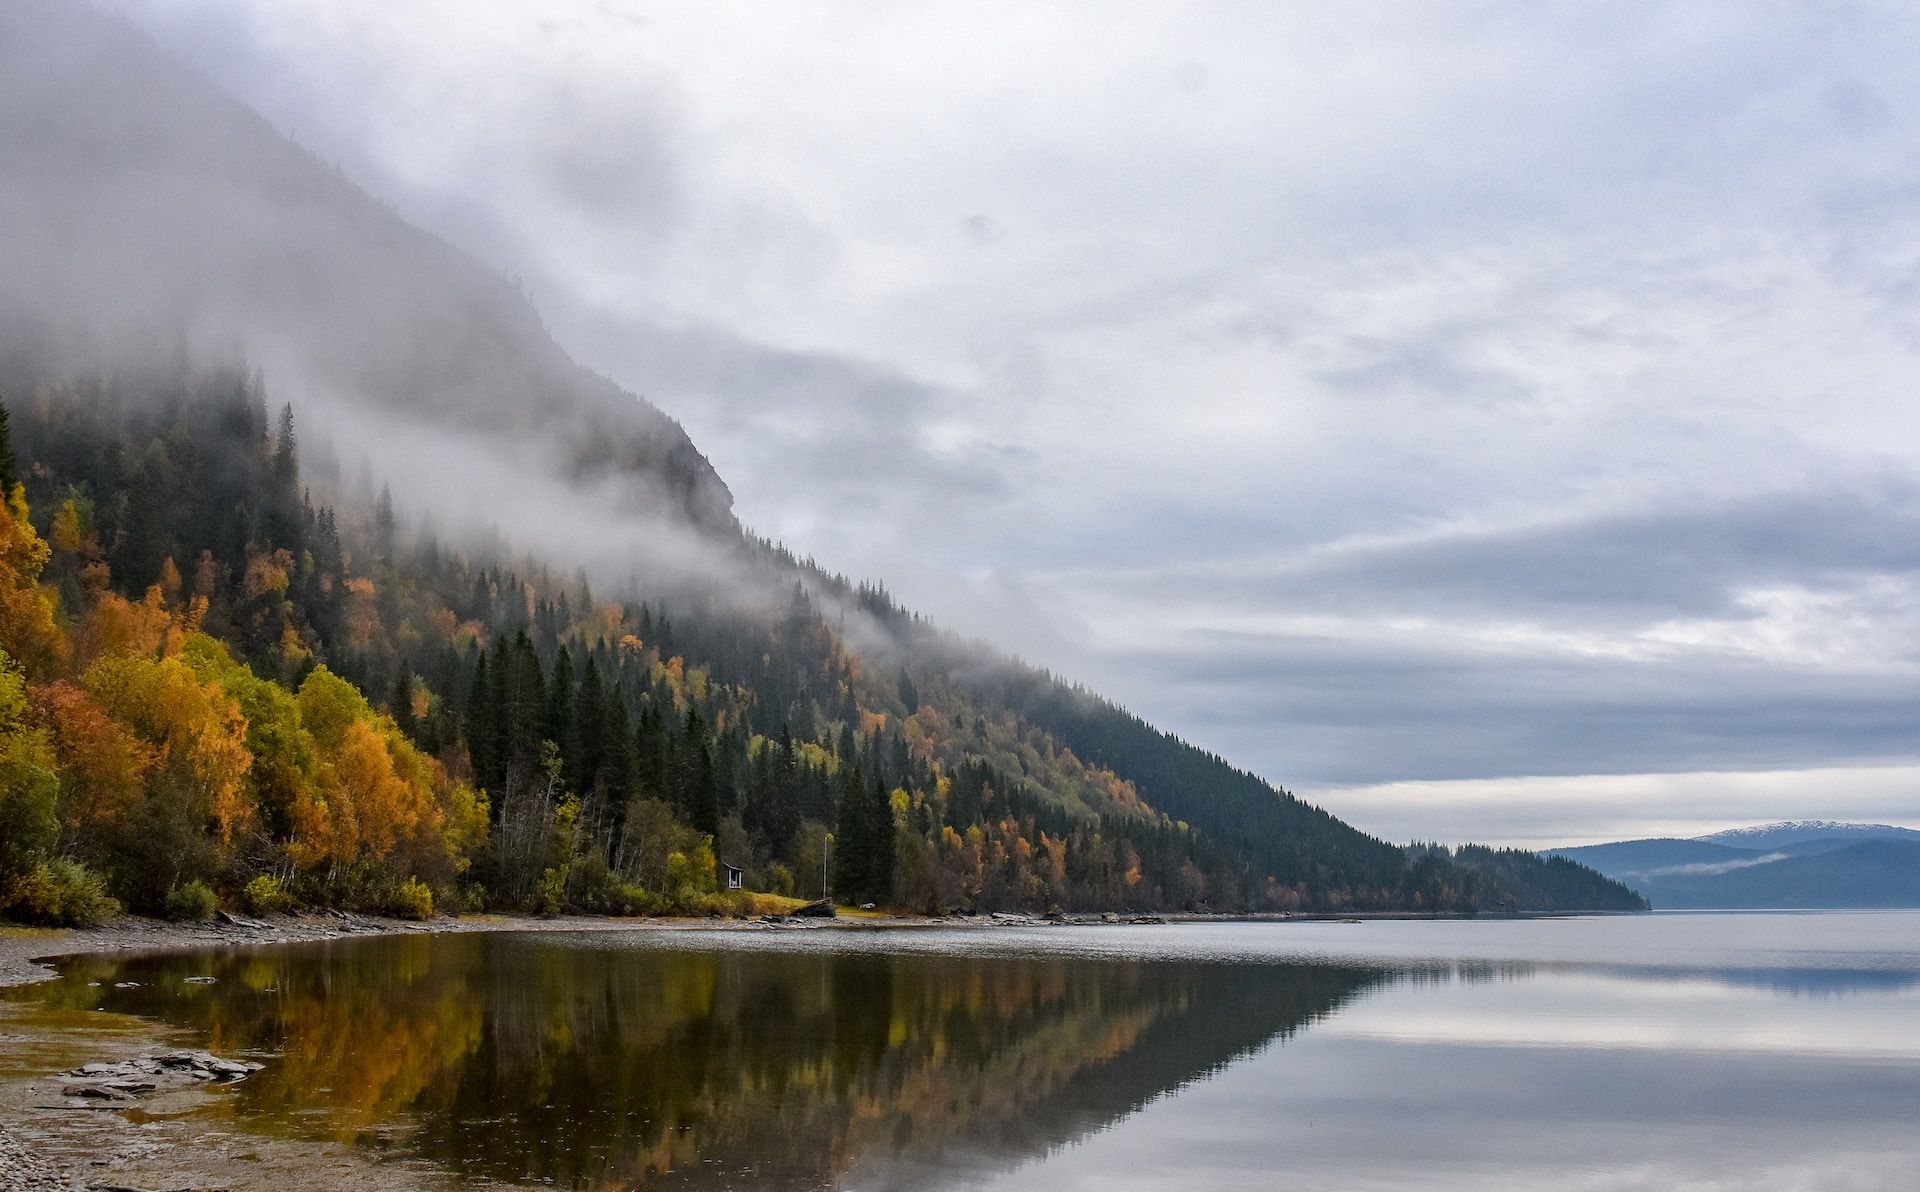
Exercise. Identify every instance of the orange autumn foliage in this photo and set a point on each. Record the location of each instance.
(118, 626)
(29, 629)
(102, 765)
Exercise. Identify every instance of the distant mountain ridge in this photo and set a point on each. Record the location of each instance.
(1801, 864)
(1799, 831)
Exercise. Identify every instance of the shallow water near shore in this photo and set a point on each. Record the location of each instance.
(1703, 1050)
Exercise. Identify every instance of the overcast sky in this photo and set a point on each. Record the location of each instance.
(1490, 420)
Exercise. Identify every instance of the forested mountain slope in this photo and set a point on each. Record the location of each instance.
(183, 292)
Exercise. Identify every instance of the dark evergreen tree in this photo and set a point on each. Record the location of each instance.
(556, 721)
(384, 528)
(482, 732)
(8, 476)
(400, 707)
(587, 739)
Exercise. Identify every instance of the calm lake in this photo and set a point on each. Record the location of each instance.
(1659, 1051)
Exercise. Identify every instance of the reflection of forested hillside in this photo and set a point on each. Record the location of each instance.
(520, 1058)
(1217, 1013)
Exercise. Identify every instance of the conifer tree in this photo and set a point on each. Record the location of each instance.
(880, 842)
(850, 849)
(557, 719)
(481, 717)
(8, 476)
(400, 706)
(587, 737)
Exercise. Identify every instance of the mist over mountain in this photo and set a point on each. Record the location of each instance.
(555, 597)
(148, 216)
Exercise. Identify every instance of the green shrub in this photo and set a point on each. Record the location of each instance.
(622, 900)
(550, 894)
(411, 899)
(779, 880)
(595, 889)
(60, 893)
(191, 902)
(265, 896)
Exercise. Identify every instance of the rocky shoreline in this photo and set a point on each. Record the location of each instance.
(25, 1171)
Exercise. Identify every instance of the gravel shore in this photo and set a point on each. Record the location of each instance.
(22, 1171)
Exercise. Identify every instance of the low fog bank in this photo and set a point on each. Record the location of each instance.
(147, 220)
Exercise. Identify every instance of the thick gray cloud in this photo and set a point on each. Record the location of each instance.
(1608, 568)
(1377, 394)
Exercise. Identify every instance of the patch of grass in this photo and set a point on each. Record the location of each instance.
(770, 904)
(21, 931)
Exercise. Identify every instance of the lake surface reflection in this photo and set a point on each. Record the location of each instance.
(1646, 1052)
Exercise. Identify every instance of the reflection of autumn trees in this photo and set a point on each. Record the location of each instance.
(615, 1067)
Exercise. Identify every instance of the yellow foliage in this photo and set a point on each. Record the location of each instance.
(362, 614)
(169, 581)
(374, 806)
(293, 652)
(68, 531)
(117, 626)
(605, 621)
(29, 631)
(267, 574)
(463, 815)
(376, 792)
(328, 704)
(195, 728)
(29, 789)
